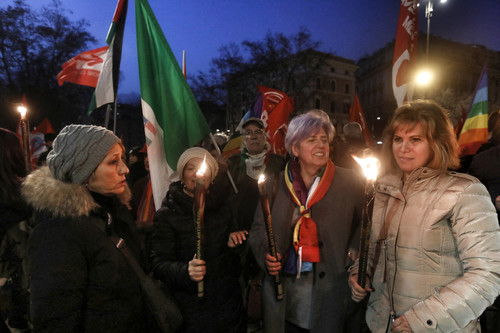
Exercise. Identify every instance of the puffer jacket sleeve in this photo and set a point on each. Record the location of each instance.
(474, 225)
(165, 264)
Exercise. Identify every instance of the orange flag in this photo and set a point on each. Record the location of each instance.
(356, 114)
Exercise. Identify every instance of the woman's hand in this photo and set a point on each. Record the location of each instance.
(358, 292)
(273, 265)
(400, 325)
(237, 238)
(197, 269)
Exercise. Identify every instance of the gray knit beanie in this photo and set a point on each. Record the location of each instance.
(197, 152)
(78, 150)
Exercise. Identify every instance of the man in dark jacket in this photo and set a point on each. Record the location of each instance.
(245, 168)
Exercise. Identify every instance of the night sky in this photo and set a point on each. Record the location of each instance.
(347, 28)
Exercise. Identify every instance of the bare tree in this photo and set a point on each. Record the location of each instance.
(286, 63)
(33, 46)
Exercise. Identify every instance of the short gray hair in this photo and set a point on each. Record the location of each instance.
(307, 124)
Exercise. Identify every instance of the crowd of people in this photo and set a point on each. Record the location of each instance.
(433, 263)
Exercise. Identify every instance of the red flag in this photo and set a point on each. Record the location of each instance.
(460, 122)
(44, 127)
(276, 110)
(405, 51)
(356, 114)
(84, 68)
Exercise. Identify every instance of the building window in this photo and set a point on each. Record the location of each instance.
(346, 88)
(317, 103)
(332, 86)
(332, 107)
(318, 84)
(347, 106)
(332, 70)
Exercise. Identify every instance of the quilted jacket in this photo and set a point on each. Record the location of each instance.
(435, 244)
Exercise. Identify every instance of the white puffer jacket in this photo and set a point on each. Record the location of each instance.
(435, 246)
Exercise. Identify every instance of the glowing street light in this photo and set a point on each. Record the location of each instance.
(424, 77)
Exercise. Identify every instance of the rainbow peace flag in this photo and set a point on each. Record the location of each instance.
(475, 130)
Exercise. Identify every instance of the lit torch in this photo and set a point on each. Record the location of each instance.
(199, 210)
(370, 168)
(25, 134)
(264, 201)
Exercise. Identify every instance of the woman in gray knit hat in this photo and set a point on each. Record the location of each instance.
(79, 280)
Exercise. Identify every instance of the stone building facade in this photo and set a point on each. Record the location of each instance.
(332, 90)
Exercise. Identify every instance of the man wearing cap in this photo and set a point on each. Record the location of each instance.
(245, 168)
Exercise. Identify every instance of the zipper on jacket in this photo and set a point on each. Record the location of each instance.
(384, 255)
(109, 224)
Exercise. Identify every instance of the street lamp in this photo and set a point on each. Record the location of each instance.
(428, 14)
(425, 76)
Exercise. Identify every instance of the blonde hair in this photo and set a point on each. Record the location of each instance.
(437, 129)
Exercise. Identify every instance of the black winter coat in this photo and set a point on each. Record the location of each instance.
(80, 282)
(173, 245)
(14, 233)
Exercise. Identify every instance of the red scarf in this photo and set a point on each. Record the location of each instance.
(305, 234)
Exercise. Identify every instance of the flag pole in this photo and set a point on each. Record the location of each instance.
(227, 171)
(108, 111)
(114, 116)
(184, 63)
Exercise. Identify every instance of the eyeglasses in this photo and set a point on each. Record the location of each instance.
(249, 133)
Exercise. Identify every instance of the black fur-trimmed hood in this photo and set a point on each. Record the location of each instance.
(45, 193)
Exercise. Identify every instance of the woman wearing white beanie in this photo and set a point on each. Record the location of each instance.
(173, 246)
(79, 280)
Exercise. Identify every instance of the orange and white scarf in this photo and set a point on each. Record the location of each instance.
(305, 235)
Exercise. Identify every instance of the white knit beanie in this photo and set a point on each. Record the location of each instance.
(78, 150)
(197, 152)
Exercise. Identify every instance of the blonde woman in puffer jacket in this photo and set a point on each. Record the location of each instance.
(435, 241)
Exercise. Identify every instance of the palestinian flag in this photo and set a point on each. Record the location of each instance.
(107, 85)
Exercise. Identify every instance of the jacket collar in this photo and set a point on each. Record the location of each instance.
(45, 193)
(393, 184)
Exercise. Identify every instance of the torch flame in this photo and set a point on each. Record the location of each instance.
(369, 165)
(203, 168)
(262, 179)
(22, 110)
